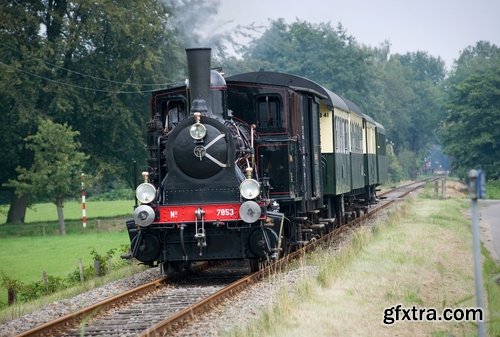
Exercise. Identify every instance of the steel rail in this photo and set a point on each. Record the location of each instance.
(74, 319)
(175, 322)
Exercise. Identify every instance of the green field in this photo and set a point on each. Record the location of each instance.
(29, 249)
(73, 210)
(25, 258)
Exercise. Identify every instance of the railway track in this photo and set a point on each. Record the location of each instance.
(139, 312)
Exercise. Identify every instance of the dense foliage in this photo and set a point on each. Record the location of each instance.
(471, 131)
(89, 64)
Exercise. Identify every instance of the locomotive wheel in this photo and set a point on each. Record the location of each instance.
(259, 242)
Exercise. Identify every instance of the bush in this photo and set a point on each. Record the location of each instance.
(74, 277)
(493, 189)
(395, 170)
(34, 290)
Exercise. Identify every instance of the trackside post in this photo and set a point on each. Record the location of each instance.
(477, 190)
(84, 208)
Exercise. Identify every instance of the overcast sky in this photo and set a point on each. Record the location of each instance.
(440, 27)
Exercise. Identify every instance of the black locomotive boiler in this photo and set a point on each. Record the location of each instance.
(250, 167)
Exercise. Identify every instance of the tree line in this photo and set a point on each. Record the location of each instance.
(87, 69)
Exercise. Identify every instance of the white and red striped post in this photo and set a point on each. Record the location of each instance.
(84, 210)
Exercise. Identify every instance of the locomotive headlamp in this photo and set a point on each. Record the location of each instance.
(250, 211)
(249, 189)
(145, 193)
(144, 215)
(197, 131)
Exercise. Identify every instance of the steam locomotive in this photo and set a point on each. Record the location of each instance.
(252, 166)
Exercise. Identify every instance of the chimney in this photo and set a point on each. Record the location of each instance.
(198, 63)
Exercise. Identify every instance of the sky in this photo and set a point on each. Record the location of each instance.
(440, 27)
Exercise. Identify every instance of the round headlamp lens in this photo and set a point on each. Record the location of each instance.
(145, 193)
(250, 211)
(198, 131)
(249, 189)
(144, 215)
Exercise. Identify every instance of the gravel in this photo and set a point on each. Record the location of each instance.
(240, 310)
(234, 312)
(66, 306)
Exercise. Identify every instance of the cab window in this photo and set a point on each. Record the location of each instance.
(173, 111)
(269, 114)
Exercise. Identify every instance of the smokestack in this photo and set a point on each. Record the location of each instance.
(198, 63)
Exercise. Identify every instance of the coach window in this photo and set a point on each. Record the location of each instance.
(269, 112)
(174, 111)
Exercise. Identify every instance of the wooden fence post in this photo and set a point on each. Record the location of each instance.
(97, 268)
(110, 266)
(11, 295)
(45, 280)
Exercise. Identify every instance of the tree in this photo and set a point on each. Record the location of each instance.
(18, 31)
(471, 131)
(106, 58)
(320, 52)
(413, 99)
(56, 169)
(89, 64)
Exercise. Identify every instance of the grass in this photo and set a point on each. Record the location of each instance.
(46, 212)
(25, 258)
(419, 256)
(29, 249)
(18, 310)
(493, 189)
(491, 275)
(51, 228)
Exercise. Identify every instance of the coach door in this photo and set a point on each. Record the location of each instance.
(273, 159)
(311, 152)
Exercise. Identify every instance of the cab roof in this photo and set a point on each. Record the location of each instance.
(298, 83)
